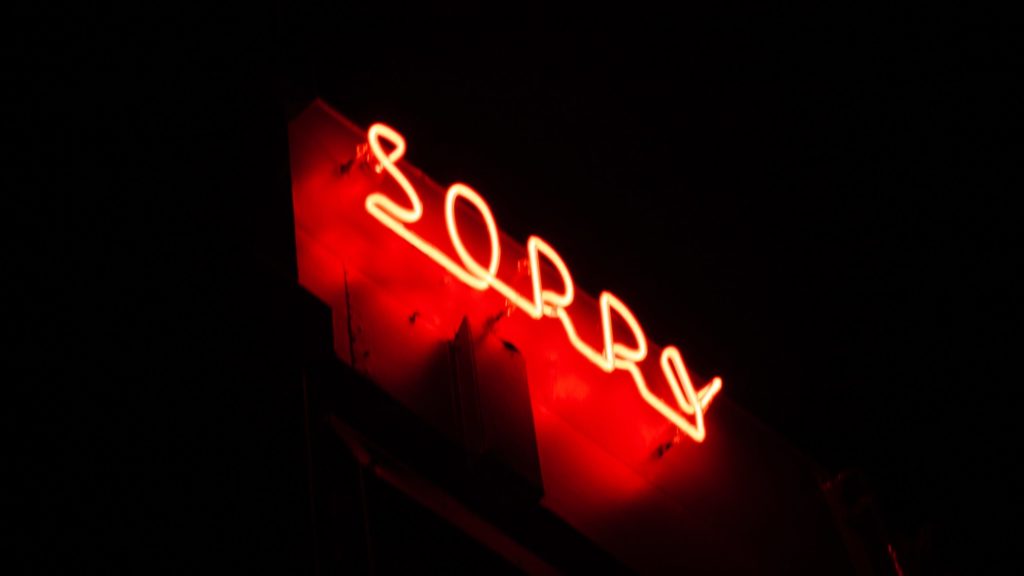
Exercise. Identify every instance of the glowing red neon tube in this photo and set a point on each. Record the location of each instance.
(690, 404)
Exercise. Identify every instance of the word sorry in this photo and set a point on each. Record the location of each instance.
(541, 302)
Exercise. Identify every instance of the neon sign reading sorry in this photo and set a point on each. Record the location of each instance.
(542, 302)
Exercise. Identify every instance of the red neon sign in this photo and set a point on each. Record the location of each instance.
(609, 355)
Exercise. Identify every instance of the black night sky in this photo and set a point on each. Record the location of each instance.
(811, 201)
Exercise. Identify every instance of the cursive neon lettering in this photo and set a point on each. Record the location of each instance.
(690, 404)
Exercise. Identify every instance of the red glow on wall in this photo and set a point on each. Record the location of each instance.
(403, 263)
(424, 288)
(687, 406)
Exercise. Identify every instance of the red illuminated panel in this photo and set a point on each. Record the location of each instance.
(427, 293)
(400, 291)
(688, 405)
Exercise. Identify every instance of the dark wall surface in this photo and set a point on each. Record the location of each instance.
(816, 203)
